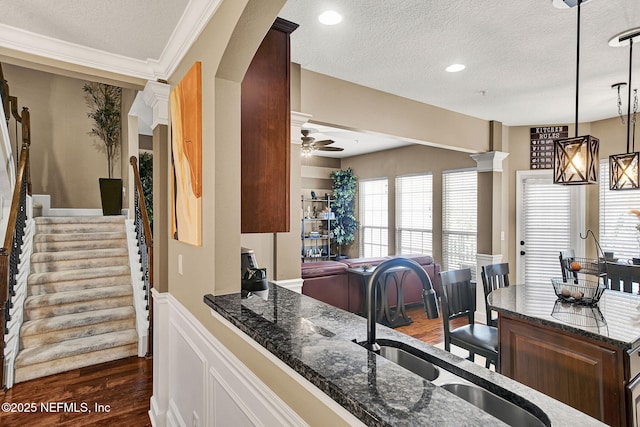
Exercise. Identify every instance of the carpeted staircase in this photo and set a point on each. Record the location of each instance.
(79, 309)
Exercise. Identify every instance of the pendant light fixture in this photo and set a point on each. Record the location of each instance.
(624, 169)
(575, 160)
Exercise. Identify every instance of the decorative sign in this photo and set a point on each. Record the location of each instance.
(542, 145)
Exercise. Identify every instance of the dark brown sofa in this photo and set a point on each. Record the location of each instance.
(329, 281)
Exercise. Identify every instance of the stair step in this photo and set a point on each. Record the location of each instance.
(79, 284)
(56, 237)
(58, 256)
(77, 274)
(117, 241)
(76, 353)
(74, 264)
(96, 219)
(76, 325)
(76, 225)
(57, 304)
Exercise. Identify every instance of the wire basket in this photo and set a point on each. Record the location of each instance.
(585, 265)
(578, 291)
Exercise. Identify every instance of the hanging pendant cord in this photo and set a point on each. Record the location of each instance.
(577, 67)
(629, 98)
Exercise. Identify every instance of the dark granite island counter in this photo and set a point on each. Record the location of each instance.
(585, 356)
(317, 341)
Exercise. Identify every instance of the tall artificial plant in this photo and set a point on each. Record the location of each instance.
(104, 103)
(343, 205)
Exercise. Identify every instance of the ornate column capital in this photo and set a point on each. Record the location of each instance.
(156, 96)
(490, 161)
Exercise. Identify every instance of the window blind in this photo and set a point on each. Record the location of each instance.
(459, 219)
(548, 214)
(374, 218)
(414, 214)
(618, 232)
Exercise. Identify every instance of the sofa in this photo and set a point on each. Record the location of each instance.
(330, 282)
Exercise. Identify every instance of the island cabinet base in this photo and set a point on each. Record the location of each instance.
(583, 373)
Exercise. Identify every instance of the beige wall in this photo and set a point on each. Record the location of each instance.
(335, 101)
(64, 160)
(404, 161)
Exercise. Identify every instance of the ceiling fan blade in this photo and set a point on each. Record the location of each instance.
(329, 149)
(324, 142)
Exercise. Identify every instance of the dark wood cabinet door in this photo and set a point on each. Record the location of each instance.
(265, 135)
(584, 374)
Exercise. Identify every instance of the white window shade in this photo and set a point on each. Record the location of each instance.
(374, 218)
(548, 216)
(618, 232)
(459, 219)
(414, 214)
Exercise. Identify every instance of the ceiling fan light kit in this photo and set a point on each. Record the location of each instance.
(575, 160)
(624, 169)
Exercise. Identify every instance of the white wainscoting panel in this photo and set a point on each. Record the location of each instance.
(204, 383)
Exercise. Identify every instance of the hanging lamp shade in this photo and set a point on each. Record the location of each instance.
(575, 160)
(624, 173)
(624, 169)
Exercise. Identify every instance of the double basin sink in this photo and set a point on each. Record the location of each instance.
(432, 369)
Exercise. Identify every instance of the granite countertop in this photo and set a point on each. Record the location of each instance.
(614, 320)
(317, 341)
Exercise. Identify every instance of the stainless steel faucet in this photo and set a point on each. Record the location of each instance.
(428, 294)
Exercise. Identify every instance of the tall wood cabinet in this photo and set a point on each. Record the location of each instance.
(265, 135)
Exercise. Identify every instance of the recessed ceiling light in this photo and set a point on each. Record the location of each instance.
(330, 17)
(454, 68)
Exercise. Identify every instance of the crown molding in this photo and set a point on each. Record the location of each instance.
(194, 19)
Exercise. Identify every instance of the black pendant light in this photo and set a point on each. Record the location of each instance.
(575, 160)
(624, 169)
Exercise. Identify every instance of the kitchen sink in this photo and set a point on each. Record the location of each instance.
(435, 370)
(410, 362)
(494, 405)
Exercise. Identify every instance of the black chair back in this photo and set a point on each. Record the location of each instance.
(622, 277)
(458, 299)
(494, 276)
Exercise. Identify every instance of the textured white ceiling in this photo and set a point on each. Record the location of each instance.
(138, 29)
(521, 53)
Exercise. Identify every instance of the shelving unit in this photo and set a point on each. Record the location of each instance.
(316, 230)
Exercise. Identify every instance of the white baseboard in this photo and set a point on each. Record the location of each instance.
(47, 210)
(292, 284)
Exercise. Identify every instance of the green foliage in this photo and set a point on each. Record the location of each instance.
(146, 178)
(343, 205)
(104, 103)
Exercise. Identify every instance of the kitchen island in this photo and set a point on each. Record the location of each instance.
(319, 342)
(585, 356)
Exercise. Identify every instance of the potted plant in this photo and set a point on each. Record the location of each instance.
(104, 103)
(343, 205)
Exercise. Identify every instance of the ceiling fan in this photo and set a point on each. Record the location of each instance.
(309, 144)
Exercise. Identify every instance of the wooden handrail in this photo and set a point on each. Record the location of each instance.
(5, 251)
(148, 238)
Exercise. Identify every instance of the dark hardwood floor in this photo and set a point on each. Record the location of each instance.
(424, 329)
(117, 393)
(110, 394)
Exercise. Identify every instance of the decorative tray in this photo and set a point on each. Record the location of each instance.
(579, 291)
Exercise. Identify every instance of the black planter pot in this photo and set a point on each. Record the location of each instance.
(111, 195)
